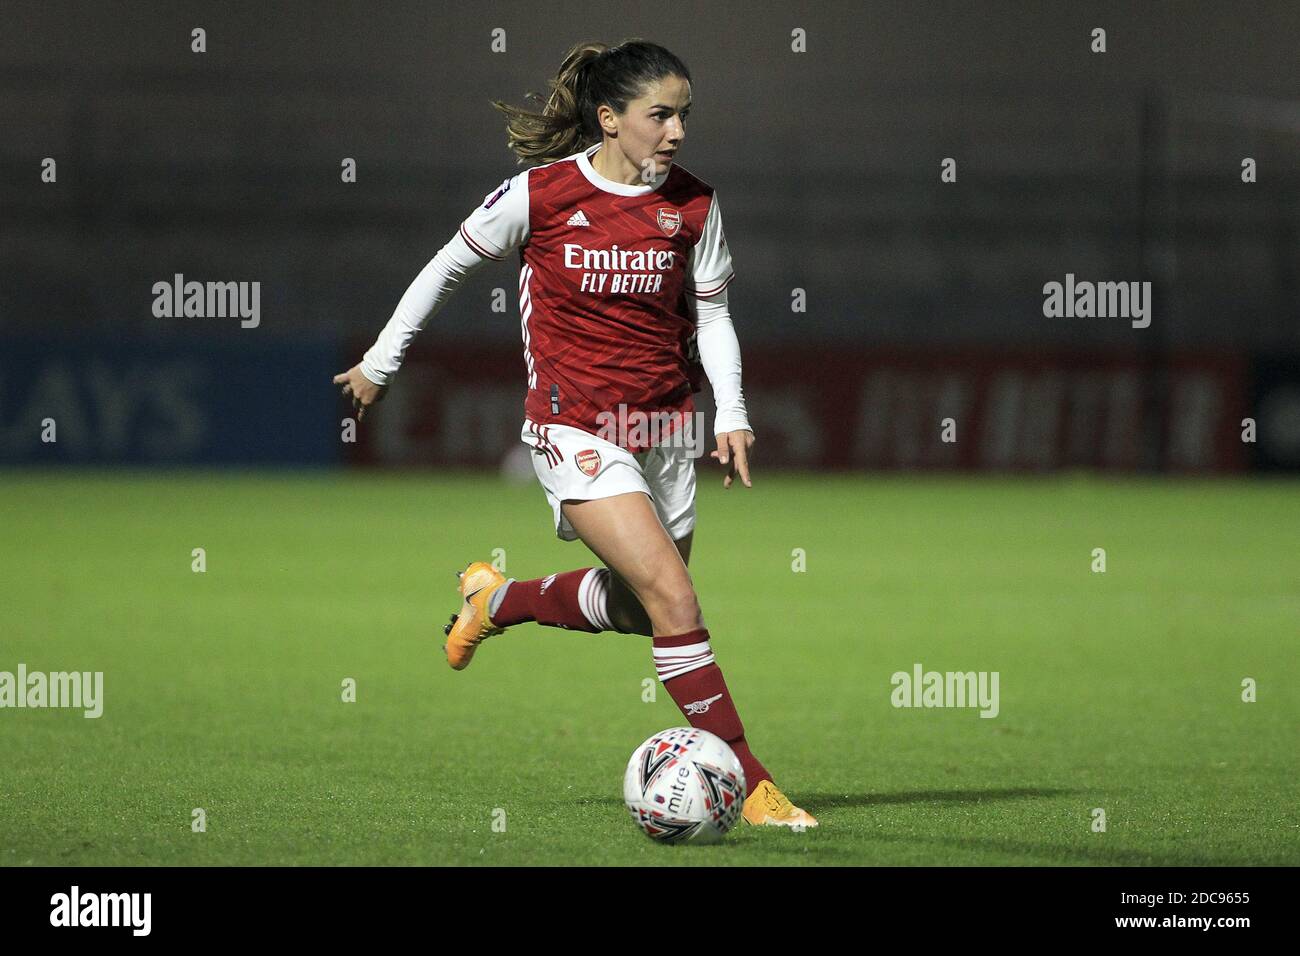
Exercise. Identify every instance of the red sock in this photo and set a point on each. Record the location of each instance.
(572, 599)
(685, 664)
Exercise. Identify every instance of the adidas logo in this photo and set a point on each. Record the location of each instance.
(578, 219)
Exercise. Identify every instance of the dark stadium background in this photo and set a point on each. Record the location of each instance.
(924, 299)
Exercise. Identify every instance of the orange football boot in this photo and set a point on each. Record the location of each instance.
(477, 583)
(768, 806)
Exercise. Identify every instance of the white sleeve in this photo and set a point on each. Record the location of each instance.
(490, 232)
(715, 336)
(501, 222)
(710, 267)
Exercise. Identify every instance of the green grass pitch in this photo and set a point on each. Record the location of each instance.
(1118, 690)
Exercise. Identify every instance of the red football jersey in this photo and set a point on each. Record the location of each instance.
(605, 272)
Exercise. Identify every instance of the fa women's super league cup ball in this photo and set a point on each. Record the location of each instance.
(684, 785)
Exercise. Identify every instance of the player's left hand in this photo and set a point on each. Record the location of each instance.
(733, 451)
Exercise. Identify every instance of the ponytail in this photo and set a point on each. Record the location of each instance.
(590, 75)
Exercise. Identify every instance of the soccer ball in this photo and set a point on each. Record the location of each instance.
(684, 785)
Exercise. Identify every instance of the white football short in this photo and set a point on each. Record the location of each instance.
(573, 464)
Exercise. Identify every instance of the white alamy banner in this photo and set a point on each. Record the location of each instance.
(78, 690)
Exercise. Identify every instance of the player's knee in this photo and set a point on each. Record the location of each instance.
(626, 612)
(674, 606)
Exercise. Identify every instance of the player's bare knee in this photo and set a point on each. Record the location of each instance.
(675, 610)
(626, 612)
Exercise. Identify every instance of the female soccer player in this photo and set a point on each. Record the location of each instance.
(623, 274)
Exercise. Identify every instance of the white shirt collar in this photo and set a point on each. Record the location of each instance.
(621, 189)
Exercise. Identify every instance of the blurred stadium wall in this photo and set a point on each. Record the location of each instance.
(923, 300)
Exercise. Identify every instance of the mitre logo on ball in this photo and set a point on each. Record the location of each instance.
(684, 785)
(670, 220)
(588, 462)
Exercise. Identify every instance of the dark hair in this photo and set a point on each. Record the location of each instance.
(591, 74)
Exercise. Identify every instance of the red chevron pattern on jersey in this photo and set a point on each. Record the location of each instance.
(603, 296)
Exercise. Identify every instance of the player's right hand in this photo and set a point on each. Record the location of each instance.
(359, 390)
